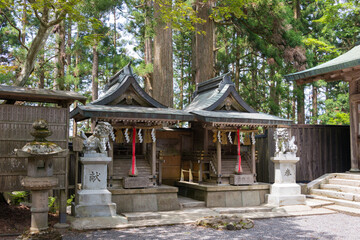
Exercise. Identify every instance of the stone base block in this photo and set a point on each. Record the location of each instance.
(241, 179)
(106, 210)
(136, 182)
(93, 197)
(285, 200)
(285, 189)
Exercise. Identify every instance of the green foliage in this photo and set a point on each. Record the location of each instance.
(18, 196)
(52, 204)
(70, 200)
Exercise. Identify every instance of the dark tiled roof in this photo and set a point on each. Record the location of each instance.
(39, 95)
(213, 92)
(147, 109)
(130, 112)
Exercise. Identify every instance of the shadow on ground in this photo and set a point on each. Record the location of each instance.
(333, 226)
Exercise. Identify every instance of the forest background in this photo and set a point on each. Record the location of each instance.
(79, 44)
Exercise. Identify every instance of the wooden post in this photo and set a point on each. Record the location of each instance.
(111, 164)
(253, 160)
(354, 121)
(218, 153)
(76, 174)
(153, 162)
(206, 140)
(201, 158)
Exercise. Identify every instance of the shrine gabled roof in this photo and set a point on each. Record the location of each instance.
(119, 84)
(211, 93)
(349, 59)
(14, 93)
(130, 112)
(217, 101)
(124, 99)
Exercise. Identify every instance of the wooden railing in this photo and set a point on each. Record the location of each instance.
(198, 159)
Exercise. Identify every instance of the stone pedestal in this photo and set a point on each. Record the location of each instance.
(94, 200)
(285, 191)
(241, 179)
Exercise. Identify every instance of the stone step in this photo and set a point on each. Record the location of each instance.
(317, 203)
(341, 188)
(138, 216)
(336, 194)
(350, 176)
(347, 182)
(340, 202)
(240, 210)
(186, 202)
(344, 209)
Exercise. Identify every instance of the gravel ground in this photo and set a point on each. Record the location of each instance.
(333, 226)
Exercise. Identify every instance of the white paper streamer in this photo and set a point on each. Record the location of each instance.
(153, 136)
(140, 136)
(253, 138)
(127, 135)
(242, 138)
(219, 136)
(230, 138)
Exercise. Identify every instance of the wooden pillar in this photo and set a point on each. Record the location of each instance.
(153, 161)
(111, 164)
(253, 160)
(218, 153)
(354, 121)
(354, 128)
(206, 140)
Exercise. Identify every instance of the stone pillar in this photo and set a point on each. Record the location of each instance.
(94, 200)
(285, 191)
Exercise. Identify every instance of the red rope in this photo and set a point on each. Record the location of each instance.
(239, 155)
(133, 152)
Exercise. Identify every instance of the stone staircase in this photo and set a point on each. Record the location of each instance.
(122, 165)
(342, 189)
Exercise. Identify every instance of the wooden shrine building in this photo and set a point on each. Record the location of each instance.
(345, 67)
(222, 119)
(224, 132)
(135, 172)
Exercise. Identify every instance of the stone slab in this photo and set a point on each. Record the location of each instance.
(242, 210)
(85, 211)
(144, 203)
(250, 198)
(233, 199)
(241, 179)
(167, 201)
(277, 200)
(355, 211)
(141, 216)
(136, 182)
(314, 203)
(185, 216)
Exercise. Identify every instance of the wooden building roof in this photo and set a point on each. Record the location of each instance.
(124, 101)
(216, 101)
(13, 93)
(345, 67)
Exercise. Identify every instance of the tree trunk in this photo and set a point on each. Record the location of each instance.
(60, 62)
(42, 72)
(23, 32)
(148, 49)
(300, 104)
(163, 61)
(182, 79)
(28, 66)
(203, 45)
(95, 69)
(314, 104)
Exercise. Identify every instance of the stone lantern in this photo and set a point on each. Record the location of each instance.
(39, 179)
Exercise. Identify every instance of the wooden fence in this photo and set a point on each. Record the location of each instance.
(322, 149)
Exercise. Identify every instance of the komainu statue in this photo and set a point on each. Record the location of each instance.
(99, 139)
(283, 143)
